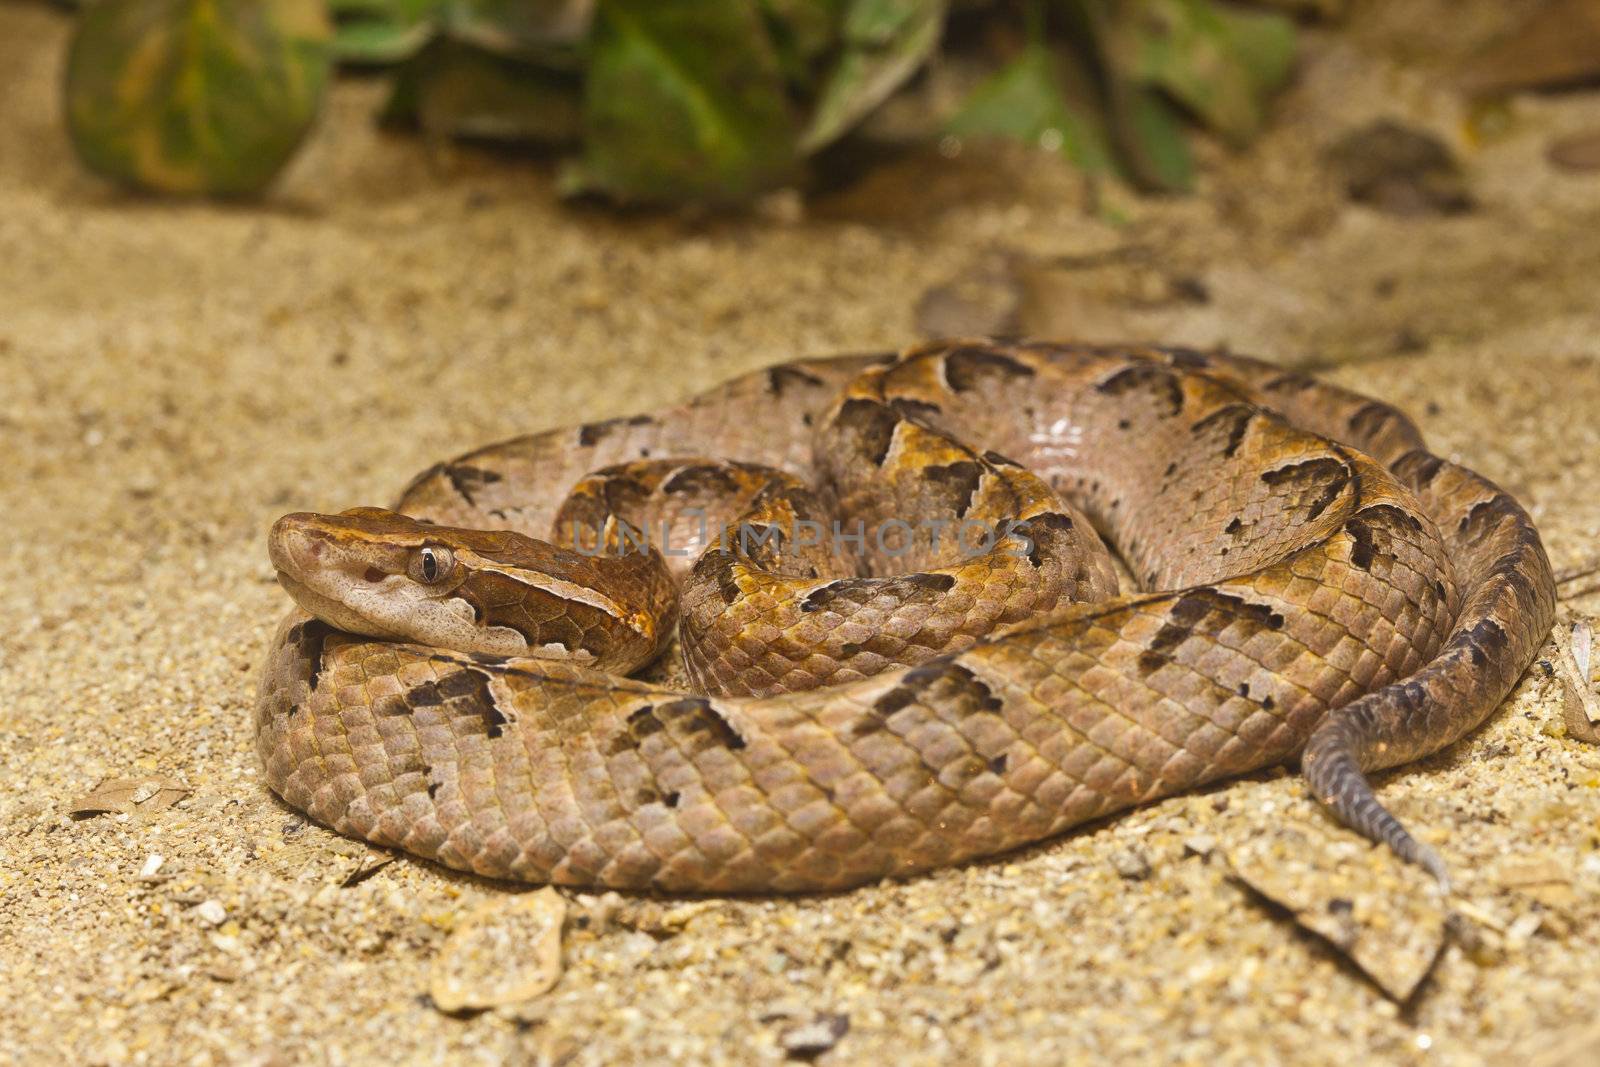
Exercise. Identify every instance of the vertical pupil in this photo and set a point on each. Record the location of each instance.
(430, 568)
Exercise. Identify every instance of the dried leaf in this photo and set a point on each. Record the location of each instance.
(129, 794)
(508, 950)
(370, 864)
(1580, 704)
(1382, 914)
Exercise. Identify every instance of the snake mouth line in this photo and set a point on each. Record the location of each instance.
(333, 612)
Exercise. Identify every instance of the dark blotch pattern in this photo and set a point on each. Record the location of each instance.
(871, 423)
(1230, 423)
(1371, 528)
(1207, 612)
(310, 637)
(1292, 382)
(959, 688)
(1484, 516)
(1326, 475)
(1419, 467)
(847, 593)
(1484, 639)
(1150, 378)
(968, 368)
(954, 484)
(701, 478)
(915, 410)
(700, 723)
(1040, 527)
(463, 693)
(782, 379)
(592, 433)
(469, 481)
(1372, 418)
(1187, 358)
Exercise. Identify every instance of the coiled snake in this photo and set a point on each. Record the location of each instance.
(1310, 581)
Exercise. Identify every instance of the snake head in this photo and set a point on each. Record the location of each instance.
(376, 572)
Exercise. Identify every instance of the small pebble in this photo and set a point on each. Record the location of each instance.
(1132, 864)
(211, 913)
(810, 1039)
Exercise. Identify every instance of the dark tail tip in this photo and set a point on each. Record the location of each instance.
(1332, 767)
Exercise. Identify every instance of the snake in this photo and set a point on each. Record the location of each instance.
(1195, 565)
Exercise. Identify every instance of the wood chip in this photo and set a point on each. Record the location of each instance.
(508, 950)
(129, 794)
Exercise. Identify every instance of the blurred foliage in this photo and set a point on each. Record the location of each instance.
(668, 100)
(195, 96)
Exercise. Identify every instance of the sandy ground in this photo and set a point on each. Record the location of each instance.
(175, 376)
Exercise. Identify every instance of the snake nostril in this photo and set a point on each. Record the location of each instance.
(375, 575)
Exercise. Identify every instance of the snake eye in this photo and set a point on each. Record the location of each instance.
(431, 564)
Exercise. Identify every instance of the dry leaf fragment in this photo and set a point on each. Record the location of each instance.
(1382, 915)
(368, 866)
(508, 950)
(1580, 702)
(129, 794)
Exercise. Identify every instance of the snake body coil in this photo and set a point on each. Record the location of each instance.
(1311, 582)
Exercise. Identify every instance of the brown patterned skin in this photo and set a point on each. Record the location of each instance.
(1347, 598)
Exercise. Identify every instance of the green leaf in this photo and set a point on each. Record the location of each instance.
(195, 96)
(684, 99)
(1025, 101)
(1151, 137)
(885, 42)
(1220, 64)
(380, 41)
(803, 31)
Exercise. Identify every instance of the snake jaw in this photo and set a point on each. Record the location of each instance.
(352, 575)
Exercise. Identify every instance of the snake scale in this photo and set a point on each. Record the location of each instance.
(1303, 579)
